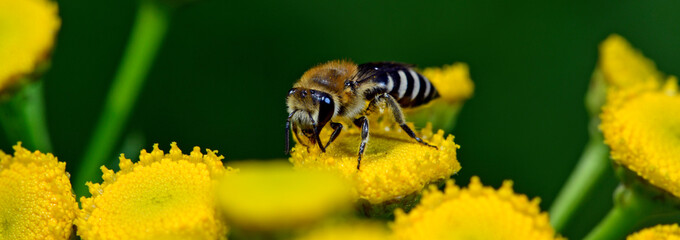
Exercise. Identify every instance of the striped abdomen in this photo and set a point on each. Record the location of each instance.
(407, 86)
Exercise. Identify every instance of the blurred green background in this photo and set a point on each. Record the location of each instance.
(221, 76)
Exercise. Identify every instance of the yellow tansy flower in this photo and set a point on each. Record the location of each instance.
(36, 200)
(269, 197)
(452, 81)
(363, 230)
(658, 232)
(394, 168)
(623, 66)
(161, 195)
(454, 86)
(28, 29)
(643, 131)
(477, 212)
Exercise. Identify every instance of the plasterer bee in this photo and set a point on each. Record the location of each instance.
(340, 89)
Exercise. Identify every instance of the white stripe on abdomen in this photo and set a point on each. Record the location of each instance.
(402, 83)
(416, 85)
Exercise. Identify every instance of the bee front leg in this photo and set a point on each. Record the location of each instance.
(337, 127)
(363, 121)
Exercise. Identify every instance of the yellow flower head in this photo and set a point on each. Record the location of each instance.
(477, 212)
(452, 81)
(658, 232)
(271, 197)
(623, 66)
(394, 166)
(454, 86)
(643, 131)
(161, 195)
(28, 29)
(36, 201)
(363, 230)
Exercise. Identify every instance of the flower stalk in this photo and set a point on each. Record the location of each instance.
(592, 166)
(631, 205)
(23, 118)
(148, 32)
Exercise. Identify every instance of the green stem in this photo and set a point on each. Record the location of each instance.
(630, 208)
(590, 169)
(147, 35)
(23, 118)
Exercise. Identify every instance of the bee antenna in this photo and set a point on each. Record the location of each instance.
(288, 132)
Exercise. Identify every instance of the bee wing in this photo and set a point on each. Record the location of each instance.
(370, 70)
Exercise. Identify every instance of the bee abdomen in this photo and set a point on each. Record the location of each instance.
(408, 87)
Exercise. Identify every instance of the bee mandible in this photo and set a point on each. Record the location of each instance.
(337, 90)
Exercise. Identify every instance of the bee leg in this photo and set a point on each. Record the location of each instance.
(337, 127)
(363, 121)
(399, 117)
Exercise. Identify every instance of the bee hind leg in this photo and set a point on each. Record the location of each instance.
(399, 117)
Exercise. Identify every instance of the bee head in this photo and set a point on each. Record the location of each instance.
(309, 111)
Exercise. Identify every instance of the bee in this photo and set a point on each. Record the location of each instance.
(341, 91)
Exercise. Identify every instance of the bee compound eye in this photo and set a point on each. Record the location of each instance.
(291, 91)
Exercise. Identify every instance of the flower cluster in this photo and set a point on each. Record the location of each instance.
(404, 182)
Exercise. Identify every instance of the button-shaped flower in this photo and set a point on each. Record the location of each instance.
(160, 196)
(643, 131)
(665, 232)
(36, 201)
(268, 198)
(454, 86)
(28, 30)
(394, 169)
(475, 212)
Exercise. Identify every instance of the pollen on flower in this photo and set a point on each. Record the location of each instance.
(28, 33)
(269, 197)
(666, 232)
(394, 166)
(624, 67)
(163, 194)
(642, 130)
(36, 200)
(452, 81)
(475, 212)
